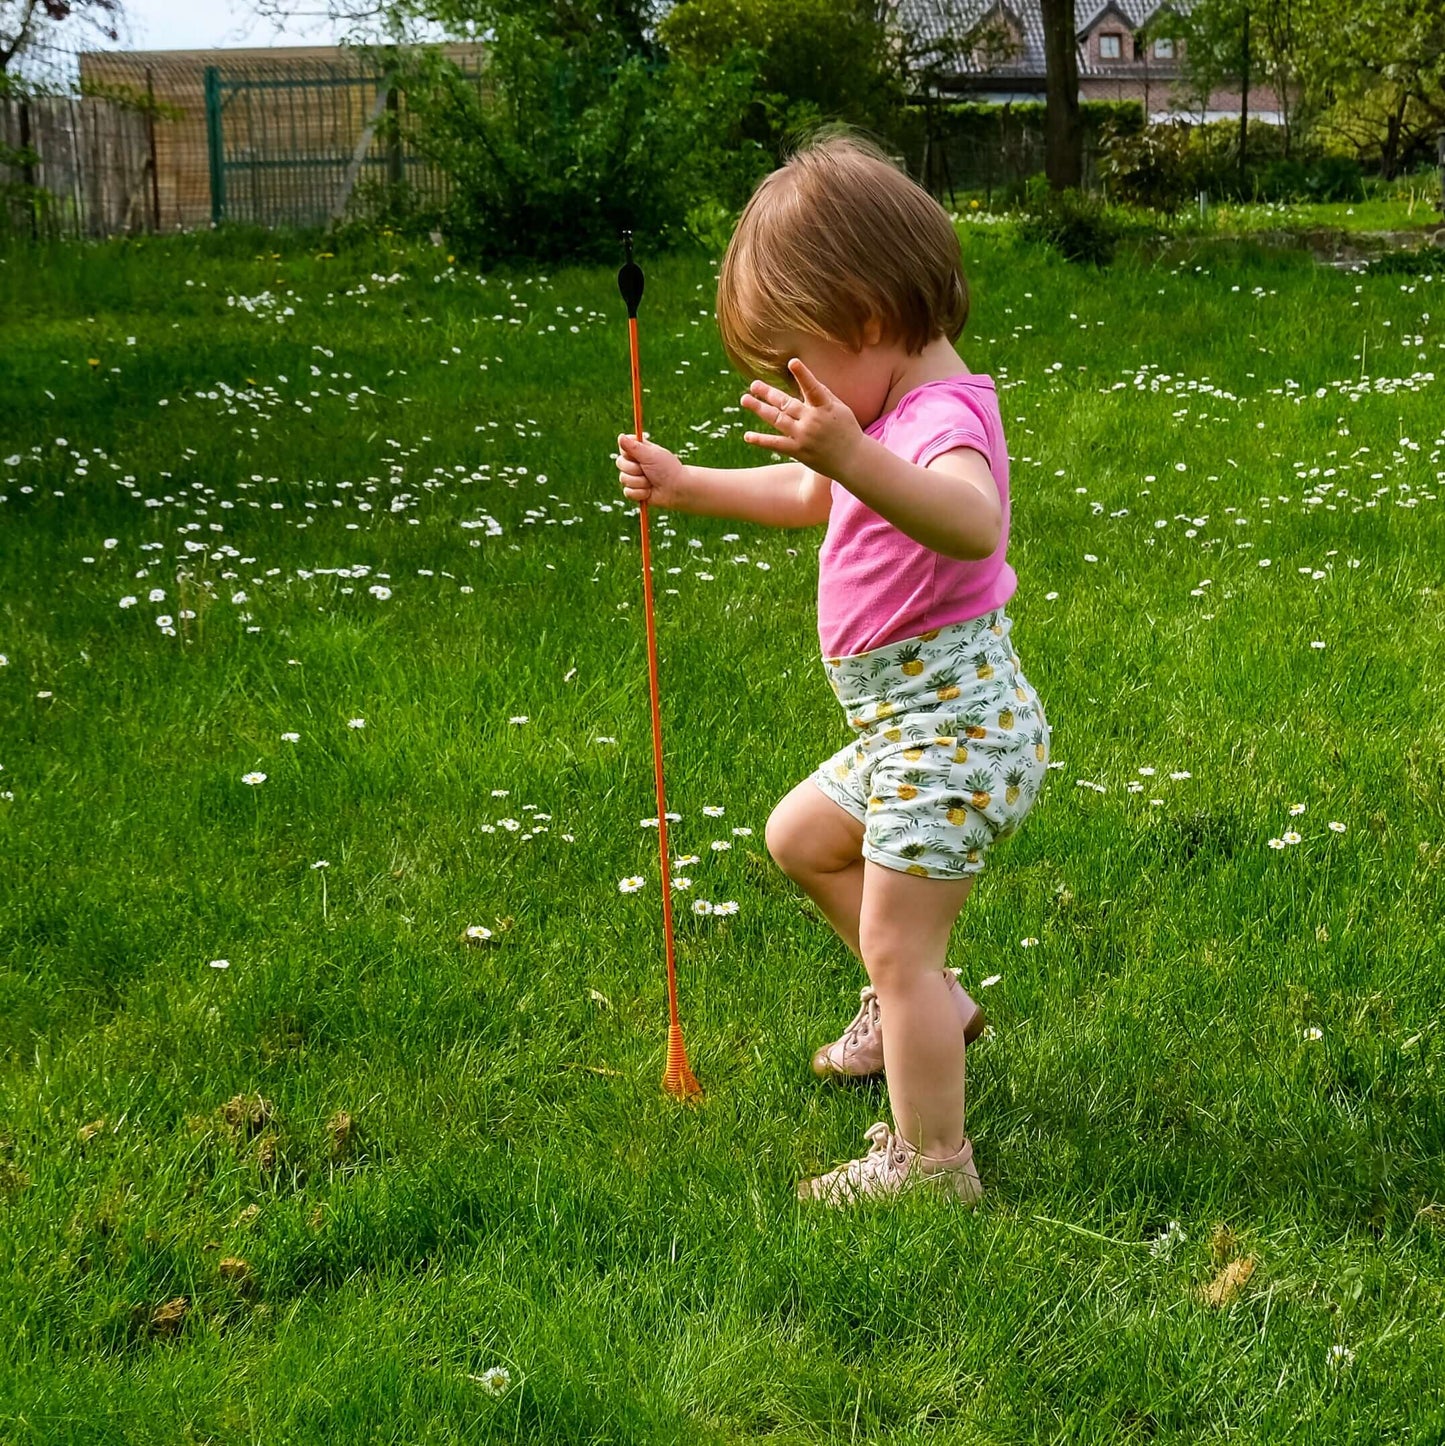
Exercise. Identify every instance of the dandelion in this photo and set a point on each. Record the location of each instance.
(1336, 826)
(1291, 837)
(712, 810)
(220, 963)
(356, 722)
(1295, 809)
(630, 885)
(728, 906)
(720, 845)
(253, 778)
(701, 906)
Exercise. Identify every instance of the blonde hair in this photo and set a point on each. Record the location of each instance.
(836, 237)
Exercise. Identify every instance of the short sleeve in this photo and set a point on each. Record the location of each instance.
(955, 437)
(954, 422)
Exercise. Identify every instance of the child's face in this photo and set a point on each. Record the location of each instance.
(861, 378)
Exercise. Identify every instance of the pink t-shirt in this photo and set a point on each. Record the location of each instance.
(877, 585)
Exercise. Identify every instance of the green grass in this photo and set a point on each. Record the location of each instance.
(513, 1189)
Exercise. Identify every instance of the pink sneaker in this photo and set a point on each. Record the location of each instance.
(858, 1051)
(891, 1166)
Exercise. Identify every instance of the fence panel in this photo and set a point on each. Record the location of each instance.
(74, 165)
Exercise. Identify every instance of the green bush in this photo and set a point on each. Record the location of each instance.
(1152, 166)
(1163, 165)
(1080, 227)
(566, 142)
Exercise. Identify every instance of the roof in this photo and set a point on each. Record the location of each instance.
(950, 22)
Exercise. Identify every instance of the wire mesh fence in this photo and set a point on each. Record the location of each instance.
(102, 142)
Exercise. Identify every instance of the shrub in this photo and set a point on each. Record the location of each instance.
(1081, 228)
(1151, 167)
(565, 143)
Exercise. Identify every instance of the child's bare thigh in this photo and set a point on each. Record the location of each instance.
(808, 831)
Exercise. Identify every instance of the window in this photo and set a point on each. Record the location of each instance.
(1109, 47)
(1164, 48)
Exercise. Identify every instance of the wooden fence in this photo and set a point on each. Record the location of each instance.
(76, 166)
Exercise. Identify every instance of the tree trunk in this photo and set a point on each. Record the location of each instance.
(1063, 133)
(1244, 108)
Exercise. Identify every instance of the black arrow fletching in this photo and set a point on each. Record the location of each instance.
(629, 278)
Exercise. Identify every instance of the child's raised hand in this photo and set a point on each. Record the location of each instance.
(648, 473)
(819, 430)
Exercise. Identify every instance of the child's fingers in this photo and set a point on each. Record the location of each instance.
(812, 389)
(637, 494)
(629, 465)
(770, 394)
(772, 441)
(769, 411)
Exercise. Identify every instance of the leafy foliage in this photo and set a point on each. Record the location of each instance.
(1080, 227)
(564, 144)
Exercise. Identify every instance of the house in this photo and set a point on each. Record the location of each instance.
(1122, 55)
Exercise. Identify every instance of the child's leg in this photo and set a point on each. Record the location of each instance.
(819, 845)
(904, 928)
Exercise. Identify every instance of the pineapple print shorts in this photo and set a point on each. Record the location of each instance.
(950, 750)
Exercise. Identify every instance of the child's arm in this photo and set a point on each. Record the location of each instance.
(787, 494)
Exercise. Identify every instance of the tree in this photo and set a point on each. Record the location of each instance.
(1063, 130)
(26, 24)
(1231, 44)
(1379, 74)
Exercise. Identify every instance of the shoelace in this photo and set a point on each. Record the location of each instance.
(865, 1019)
(882, 1147)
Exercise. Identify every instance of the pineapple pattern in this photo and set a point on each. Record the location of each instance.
(949, 751)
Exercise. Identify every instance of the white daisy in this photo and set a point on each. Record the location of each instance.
(253, 778)
(1336, 826)
(631, 885)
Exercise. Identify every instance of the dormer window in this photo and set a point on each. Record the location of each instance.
(1164, 48)
(1110, 47)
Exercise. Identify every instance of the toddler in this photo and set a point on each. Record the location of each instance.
(844, 283)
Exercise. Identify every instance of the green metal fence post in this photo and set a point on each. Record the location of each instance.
(213, 145)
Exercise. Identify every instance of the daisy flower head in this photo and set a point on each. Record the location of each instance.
(712, 810)
(720, 845)
(478, 933)
(253, 778)
(631, 884)
(356, 722)
(728, 906)
(701, 906)
(1291, 837)
(1336, 826)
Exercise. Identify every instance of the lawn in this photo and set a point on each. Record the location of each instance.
(285, 1156)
